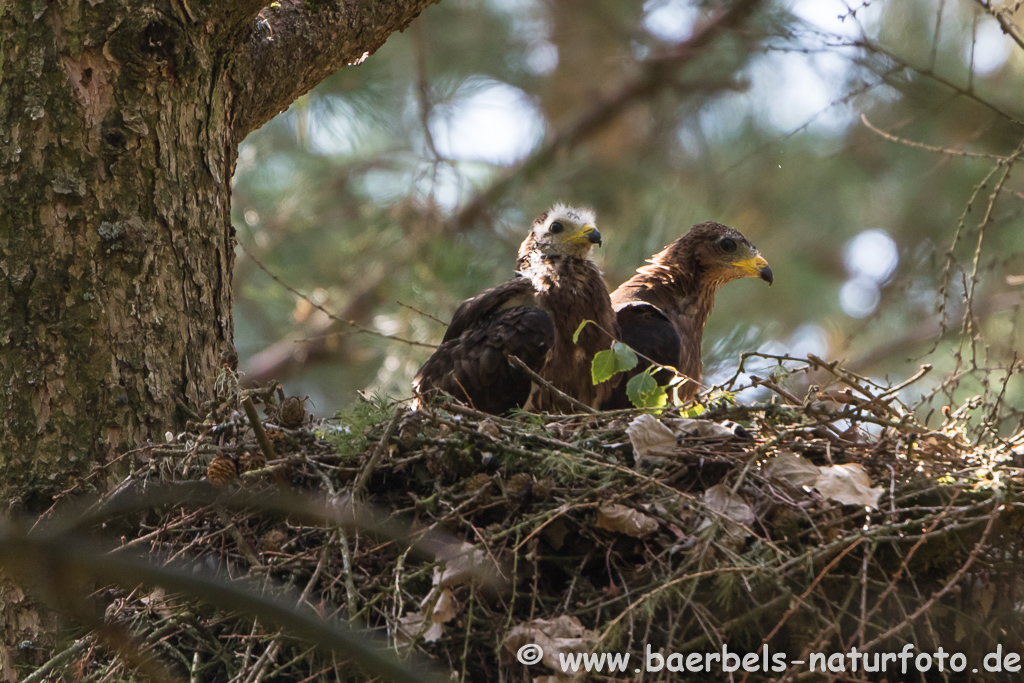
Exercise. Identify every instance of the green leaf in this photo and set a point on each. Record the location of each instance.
(625, 357)
(603, 366)
(609, 362)
(694, 411)
(643, 391)
(576, 334)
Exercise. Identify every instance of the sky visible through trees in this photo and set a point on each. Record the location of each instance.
(861, 146)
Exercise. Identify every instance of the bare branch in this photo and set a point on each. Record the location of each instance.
(303, 44)
(878, 49)
(920, 145)
(656, 74)
(1005, 24)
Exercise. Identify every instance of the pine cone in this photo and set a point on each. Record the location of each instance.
(221, 471)
(292, 412)
(520, 486)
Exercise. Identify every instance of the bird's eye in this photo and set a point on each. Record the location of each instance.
(727, 244)
(556, 227)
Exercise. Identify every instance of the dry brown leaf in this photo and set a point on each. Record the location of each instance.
(702, 428)
(848, 484)
(625, 520)
(793, 470)
(650, 438)
(721, 499)
(445, 609)
(410, 627)
(463, 563)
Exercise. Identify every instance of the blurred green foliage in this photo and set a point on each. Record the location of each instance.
(353, 195)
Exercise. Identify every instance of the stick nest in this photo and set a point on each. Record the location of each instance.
(816, 526)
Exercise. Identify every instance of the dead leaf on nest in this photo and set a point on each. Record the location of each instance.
(625, 520)
(410, 627)
(490, 428)
(563, 635)
(444, 609)
(738, 516)
(654, 440)
(793, 470)
(463, 562)
(848, 484)
(722, 500)
(651, 439)
(705, 428)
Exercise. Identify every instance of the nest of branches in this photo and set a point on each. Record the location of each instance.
(804, 528)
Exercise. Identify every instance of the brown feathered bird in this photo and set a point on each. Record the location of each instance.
(662, 309)
(532, 316)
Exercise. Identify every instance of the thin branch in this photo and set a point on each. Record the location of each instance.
(875, 48)
(358, 329)
(257, 427)
(582, 407)
(425, 315)
(949, 585)
(1005, 24)
(378, 452)
(656, 73)
(920, 145)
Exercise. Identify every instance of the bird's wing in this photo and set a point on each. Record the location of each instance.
(472, 362)
(516, 292)
(650, 333)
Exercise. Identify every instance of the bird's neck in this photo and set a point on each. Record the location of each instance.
(679, 289)
(544, 270)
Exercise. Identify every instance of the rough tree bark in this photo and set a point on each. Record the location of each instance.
(119, 123)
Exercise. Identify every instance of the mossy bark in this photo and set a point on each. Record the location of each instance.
(119, 121)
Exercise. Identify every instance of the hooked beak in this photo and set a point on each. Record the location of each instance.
(588, 234)
(757, 267)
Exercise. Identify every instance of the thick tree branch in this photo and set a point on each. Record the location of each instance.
(228, 14)
(299, 43)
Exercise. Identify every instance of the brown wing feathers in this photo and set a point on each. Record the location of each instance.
(472, 362)
(533, 317)
(660, 312)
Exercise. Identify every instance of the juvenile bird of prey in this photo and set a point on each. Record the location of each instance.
(662, 309)
(532, 316)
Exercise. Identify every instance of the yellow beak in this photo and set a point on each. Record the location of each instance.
(588, 234)
(756, 267)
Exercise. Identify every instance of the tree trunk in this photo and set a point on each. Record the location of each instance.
(119, 122)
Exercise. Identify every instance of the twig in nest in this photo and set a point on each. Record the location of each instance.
(59, 660)
(257, 427)
(923, 609)
(382, 446)
(583, 407)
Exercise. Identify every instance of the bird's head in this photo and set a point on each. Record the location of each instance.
(562, 231)
(721, 253)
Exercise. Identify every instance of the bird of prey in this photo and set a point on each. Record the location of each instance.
(533, 316)
(662, 309)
